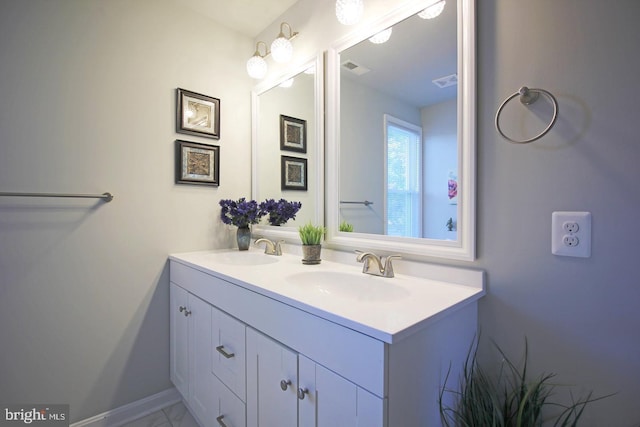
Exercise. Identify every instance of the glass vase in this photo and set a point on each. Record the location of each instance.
(243, 236)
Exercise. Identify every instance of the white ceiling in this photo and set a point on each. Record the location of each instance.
(248, 17)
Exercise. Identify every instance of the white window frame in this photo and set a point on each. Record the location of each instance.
(394, 121)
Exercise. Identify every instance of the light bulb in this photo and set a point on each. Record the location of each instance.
(281, 49)
(287, 83)
(349, 12)
(257, 67)
(381, 37)
(433, 10)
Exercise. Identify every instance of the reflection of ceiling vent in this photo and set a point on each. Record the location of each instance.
(355, 68)
(446, 81)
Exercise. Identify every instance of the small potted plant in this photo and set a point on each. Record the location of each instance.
(241, 213)
(281, 211)
(346, 227)
(311, 237)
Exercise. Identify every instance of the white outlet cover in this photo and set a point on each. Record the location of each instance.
(558, 233)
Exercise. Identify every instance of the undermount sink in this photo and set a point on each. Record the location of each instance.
(355, 286)
(245, 258)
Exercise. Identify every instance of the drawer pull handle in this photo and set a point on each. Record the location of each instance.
(302, 392)
(219, 420)
(184, 310)
(284, 384)
(220, 349)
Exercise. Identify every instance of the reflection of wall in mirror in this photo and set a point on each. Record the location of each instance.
(295, 101)
(439, 125)
(362, 157)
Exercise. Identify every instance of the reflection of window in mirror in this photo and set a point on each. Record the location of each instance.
(403, 144)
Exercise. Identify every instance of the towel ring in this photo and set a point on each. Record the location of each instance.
(528, 97)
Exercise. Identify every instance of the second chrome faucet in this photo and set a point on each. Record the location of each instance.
(373, 264)
(271, 248)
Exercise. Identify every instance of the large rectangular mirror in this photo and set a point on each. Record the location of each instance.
(288, 145)
(400, 160)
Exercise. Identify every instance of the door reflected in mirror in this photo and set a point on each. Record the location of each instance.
(287, 143)
(398, 134)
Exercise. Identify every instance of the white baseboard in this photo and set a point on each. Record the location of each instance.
(134, 410)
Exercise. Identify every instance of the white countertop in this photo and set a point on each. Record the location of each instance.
(387, 309)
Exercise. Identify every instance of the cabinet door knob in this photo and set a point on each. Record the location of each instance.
(220, 349)
(284, 384)
(302, 392)
(184, 310)
(219, 420)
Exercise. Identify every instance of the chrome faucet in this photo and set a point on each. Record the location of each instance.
(373, 264)
(271, 248)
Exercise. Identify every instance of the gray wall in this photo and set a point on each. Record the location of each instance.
(580, 316)
(88, 105)
(439, 123)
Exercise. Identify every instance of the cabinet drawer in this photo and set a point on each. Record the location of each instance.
(230, 410)
(229, 351)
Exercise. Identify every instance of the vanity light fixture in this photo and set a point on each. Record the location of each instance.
(349, 12)
(381, 37)
(281, 48)
(433, 11)
(256, 65)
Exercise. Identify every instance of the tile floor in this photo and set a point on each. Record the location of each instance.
(171, 416)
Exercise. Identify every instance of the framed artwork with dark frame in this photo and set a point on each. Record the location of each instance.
(293, 134)
(197, 163)
(293, 173)
(198, 114)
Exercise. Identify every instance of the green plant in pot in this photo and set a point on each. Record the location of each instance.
(346, 227)
(311, 237)
(510, 398)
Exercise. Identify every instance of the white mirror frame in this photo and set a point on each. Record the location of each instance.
(464, 247)
(290, 233)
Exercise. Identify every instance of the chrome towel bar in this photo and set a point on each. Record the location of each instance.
(366, 203)
(107, 197)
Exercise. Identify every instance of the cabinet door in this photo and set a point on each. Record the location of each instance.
(271, 383)
(340, 403)
(179, 339)
(201, 384)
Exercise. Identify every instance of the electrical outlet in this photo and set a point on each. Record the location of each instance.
(570, 227)
(570, 240)
(571, 234)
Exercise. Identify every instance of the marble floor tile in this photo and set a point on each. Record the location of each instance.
(179, 416)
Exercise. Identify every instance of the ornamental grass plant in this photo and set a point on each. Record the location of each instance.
(311, 234)
(512, 398)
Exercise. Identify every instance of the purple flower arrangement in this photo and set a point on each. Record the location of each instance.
(241, 213)
(280, 211)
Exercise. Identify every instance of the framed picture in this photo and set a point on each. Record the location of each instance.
(197, 163)
(198, 114)
(293, 172)
(293, 134)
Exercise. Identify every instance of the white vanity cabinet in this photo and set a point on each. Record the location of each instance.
(278, 359)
